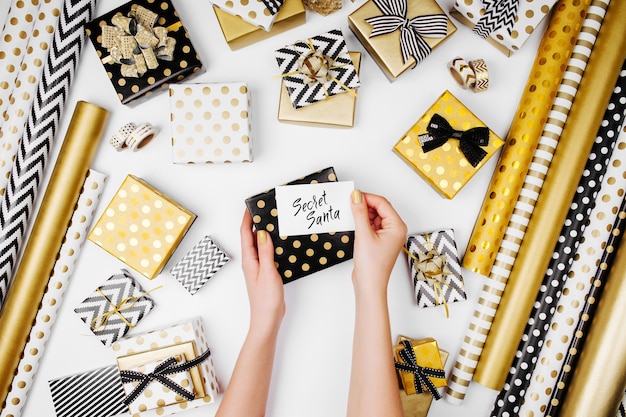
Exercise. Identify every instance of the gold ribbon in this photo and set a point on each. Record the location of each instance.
(432, 268)
(126, 304)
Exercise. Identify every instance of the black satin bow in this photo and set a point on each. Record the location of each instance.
(421, 374)
(470, 141)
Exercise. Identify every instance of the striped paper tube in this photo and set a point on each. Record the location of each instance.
(578, 284)
(26, 174)
(553, 202)
(27, 80)
(59, 280)
(508, 401)
(492, 289)
(526, 128)
(16, 32)
(598, 379)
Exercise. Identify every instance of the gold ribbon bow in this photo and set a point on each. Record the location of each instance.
(432, 268)
(126, 304)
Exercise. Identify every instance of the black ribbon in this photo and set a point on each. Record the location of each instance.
(470, 141)
(411, 30)
(421, 374)
(168, 367)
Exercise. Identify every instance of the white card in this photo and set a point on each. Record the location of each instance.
(314, 208)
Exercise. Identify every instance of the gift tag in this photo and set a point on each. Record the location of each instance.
(314, 208)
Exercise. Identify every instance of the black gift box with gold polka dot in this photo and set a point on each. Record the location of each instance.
(144, 47)
(299, 256)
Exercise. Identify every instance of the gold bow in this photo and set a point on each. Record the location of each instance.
(126, 304)
(432, 268)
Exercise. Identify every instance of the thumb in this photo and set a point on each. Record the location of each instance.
(265, 249)
(360, 212)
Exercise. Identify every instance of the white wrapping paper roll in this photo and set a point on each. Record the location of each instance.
(59, 280)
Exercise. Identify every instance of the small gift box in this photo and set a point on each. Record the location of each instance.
(506, 25)
(210, 123)
(183, 375)
(316, 69)
(141, 226)
(445, 157)
(399, 34)
(338, 110)
(416, 404)
(199, 265)
(435, 268)
(95, 393)
(259, 13)
(115, 307)
(419, 365)
(143, 47)
(299, 256)
(239, 33)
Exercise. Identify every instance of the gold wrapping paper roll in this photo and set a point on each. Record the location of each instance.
(599, 380)
(523, 137)
(57, 206)
(553, 203)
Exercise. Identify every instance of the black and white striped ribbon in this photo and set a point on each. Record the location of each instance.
(411, 30)
(27, 172)
(498, 14)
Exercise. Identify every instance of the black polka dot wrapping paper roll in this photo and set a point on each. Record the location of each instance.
(508, 401)
(299, 256)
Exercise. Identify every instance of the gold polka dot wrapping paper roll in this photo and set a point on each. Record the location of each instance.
(462, 73)
(40, 253)
(553, 202)
(526, 128)
(52, 300)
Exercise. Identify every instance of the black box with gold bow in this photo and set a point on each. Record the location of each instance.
(299, 256)
(115, 307)
(143, 46)
(447, 145)
(435, 268)
(399, 34)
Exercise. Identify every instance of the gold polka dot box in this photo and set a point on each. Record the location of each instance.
(143, 46)
(141, 226)
(210, 123)
(446, 168)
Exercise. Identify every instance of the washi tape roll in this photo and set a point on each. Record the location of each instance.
(118, 140)
(140, 137)
(479, 66)
(462, 73)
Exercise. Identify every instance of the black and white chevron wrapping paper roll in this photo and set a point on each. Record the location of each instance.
(498, 14)
(508, 401)
(123, 293)
(97, 393)
(27, 173)
(199, 265)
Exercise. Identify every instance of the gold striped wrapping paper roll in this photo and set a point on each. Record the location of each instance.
(526, 128)
(39, 257)
(493, 286)
(599, 380)
(553, 202)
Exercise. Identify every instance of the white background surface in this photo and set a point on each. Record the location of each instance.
(311, 373)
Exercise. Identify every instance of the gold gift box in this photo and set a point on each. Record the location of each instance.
(417, 405)
(337, 110)
(185, 350)
(446, 169)
(386, 48)
(141, 227)
(428, 355)
(239, 33)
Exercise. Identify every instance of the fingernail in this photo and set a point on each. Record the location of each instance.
(357, 197)
(262, 236)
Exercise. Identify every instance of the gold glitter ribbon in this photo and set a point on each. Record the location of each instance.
(126, 304)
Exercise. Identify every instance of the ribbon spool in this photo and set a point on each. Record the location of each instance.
(141, 136)
(462, 73)
(118, 140)
(479, 66)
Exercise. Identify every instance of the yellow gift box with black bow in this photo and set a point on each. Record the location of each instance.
(447, 156)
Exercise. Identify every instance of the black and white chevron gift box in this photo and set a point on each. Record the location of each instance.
(450, 286)
(199, 265)
(114, 307)
(341, 74)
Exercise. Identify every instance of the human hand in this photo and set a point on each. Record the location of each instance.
(380, 233)
(264, 284)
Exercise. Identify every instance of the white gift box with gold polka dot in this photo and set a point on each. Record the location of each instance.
(154, 342)
(529, 14)
(141, 226)
(254, 12)
(210, 123)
